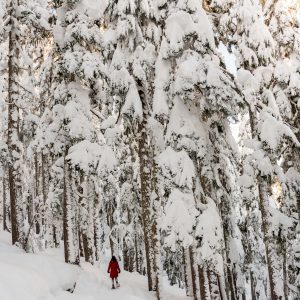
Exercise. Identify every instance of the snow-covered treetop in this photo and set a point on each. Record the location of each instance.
(200, 79)
(245, 29)
(283, 18)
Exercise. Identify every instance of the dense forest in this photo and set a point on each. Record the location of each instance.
(122, 127)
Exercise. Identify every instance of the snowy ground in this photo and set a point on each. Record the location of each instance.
(46, 277)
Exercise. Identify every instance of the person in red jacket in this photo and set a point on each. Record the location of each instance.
(114, 270)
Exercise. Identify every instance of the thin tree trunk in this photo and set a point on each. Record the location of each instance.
(36, 167)
(156, 204)
(131, 264)
(88, 251)
(231, 283)
(156, 260)
(201, 272)
(5, 227)
(44, 192)
(125, 257)
(285, 278)
(14, 183)
(97, 243)
(145, 178)
(81, 250)
(66, 217)
(137, 266)
(71, 252)
(86, 219)
(185, 272)
(220, 287)
(55, 239)
(253, 294)
(193, 273)
(36, 194)
(188, 270)
(97, 238)
(263, 205)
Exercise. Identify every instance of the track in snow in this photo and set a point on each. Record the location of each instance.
(45, 276)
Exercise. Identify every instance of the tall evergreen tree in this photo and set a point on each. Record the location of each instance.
(131, 36)
(193, 82)
(239, 25)
(283, 23)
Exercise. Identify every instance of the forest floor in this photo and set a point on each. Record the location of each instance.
(45, 276)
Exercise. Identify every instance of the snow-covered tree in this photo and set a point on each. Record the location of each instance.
(283, 22)
(192, 81)
(21, 20)
(131, 38)
(69, 124)
(255, 57)
(116, 134)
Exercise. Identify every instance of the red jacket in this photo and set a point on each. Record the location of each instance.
(113, 269)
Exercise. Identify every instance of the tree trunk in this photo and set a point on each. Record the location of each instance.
(155, 236)
(201, 272)
(220, 288)
(70, 250)
(97, 237)
(186, 283)
(215, 287)
(145, 178)
(263, 185)
(97, 227)
(253, 294)
(285, 278)
(88, 250)
(193, 273)
(86, 221)
(81, 250)
(125, 257)
(14, 183)
(188, 273)
(137, 265)
(55, 239)
(5, 227)
(44, 188)
(66, 217)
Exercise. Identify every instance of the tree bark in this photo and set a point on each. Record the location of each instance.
(253, 294)
(137, 265)
(188, 273)
(263, 205)
(201, 272)
(193, 273)
(55, 239)
(5, 227)
(145, 178)
(14, 183)
(70, 250)
(285, 278)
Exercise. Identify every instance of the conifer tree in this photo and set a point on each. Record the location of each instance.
(78, 65)
(283, 23)
(193, 82)
(255, 58)
(131, 59)
(21, 20)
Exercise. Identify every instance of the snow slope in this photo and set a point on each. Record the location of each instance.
(45, 276)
